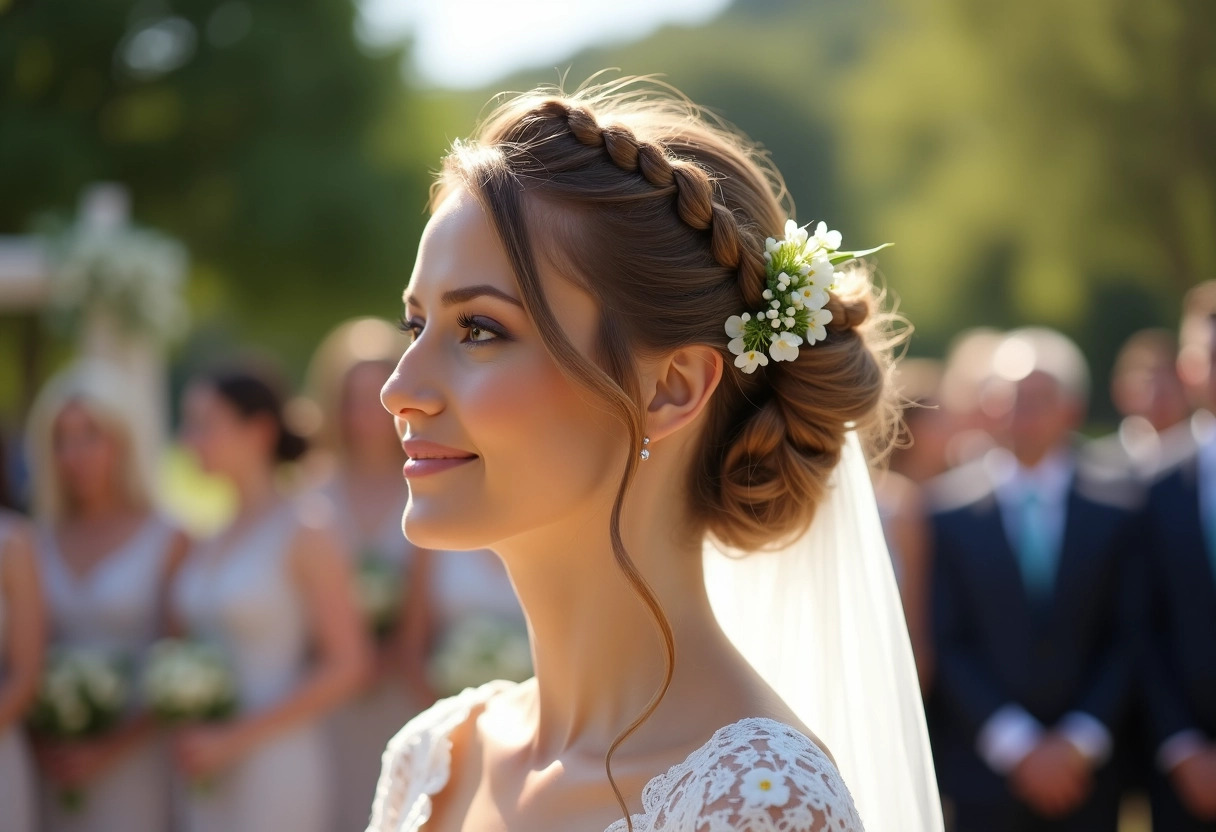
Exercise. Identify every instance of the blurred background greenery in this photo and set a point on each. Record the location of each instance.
(1033, 162)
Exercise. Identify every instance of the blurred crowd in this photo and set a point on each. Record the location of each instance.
(325, 631)
(1061, 592)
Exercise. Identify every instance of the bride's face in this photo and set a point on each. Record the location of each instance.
(500, 442)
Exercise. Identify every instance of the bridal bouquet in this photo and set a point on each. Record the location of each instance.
(186, 681)
(83, 694)
(378, 588)
(477, 650)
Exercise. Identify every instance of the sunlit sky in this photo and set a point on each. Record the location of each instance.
(469, 43)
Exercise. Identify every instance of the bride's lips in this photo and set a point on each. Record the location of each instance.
(431, 458)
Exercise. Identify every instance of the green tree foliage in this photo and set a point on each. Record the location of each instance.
(1039, 161)
(252, 131)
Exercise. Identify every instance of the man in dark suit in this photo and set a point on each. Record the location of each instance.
(1031, 609)
(1180, 668)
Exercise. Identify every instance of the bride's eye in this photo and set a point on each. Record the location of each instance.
(481, 330)
(411, 327)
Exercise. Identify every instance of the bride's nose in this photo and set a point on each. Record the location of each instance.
(411, 388)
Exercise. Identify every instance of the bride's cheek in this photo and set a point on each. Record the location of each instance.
(545, 442)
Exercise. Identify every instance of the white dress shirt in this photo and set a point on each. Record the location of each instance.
(1012, 733)
(1050, 480)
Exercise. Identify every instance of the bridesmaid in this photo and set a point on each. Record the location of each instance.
(367, 494)
(107, 558)
(458, 587)
(274, 591)
(21, 646)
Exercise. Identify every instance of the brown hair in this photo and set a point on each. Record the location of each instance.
(661, 214)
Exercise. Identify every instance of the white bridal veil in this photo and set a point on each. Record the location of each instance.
(822, 622)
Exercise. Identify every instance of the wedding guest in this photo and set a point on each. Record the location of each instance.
(273, 590)
(928, 425)
(106, 558)
(1180, 672)
(466, 592)
(367, 493)
(920, 456)
(1031, 608)
(1149, 396)
(967, 371)
(22, 632)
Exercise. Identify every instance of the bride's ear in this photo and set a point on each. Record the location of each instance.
(678, 388)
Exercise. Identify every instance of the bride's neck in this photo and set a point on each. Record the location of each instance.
(598, 652)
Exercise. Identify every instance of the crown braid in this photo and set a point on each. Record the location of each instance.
(730, 245)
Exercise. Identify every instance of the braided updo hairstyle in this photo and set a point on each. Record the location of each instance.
(661, 214)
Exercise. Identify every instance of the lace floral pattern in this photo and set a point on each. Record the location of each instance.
(756, 775)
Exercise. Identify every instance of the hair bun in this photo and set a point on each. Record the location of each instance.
(848, 313)
(768, 481)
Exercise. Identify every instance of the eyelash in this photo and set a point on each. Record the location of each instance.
(413, 328)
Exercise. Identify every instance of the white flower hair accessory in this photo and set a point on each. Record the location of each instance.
(801, 271)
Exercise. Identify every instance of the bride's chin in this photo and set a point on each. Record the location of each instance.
(428, 530)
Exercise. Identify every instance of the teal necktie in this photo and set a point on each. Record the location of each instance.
(1036, 554)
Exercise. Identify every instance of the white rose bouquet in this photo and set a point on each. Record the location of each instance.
(83, 694)
(186, 681)
(477, 650)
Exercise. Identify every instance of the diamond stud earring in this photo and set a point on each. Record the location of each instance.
(645, 451)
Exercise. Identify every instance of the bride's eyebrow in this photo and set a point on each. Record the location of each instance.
(468, 293)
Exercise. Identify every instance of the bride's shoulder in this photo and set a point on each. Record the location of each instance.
(756, 774)
(417, 760)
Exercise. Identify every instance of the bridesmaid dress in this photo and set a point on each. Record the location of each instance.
(470, 583)
(114, 608)
(360, 730)
(16, 768)
(241, 598)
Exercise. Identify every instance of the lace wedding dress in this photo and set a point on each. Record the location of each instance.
(755, 775)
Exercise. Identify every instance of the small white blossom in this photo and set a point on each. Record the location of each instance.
(736, 346)
(822, 274)
(750, 360)
(768, 294)
(827, 239)
(764, 787)
(776, 323)
(816, 326)
(775, 304)
(796, 234)
(785, 347)
(812, 297)
(789, 310)
(734, 326)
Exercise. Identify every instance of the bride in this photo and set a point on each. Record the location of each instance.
(596, 390)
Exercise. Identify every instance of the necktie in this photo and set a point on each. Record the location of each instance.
(1036, 555)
